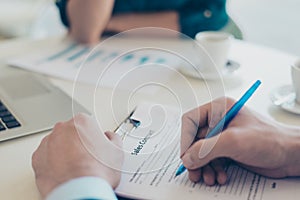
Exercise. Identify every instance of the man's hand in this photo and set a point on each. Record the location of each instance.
(77, 148)
(250, 140)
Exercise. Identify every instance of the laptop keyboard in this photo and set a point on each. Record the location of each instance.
(7, 120)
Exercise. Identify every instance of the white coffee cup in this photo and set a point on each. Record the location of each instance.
(214, 48)
(295, 69)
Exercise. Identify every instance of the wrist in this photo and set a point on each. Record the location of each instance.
(292, 146)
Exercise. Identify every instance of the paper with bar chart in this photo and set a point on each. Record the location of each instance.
(109, 65)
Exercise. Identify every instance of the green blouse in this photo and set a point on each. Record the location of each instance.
(194, 15)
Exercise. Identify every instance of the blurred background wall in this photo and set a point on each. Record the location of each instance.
(29, 18)
(273, 23)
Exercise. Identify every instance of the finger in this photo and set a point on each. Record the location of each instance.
(195, 120)
(206, 150)
(218, 108)
(219, 168)
(109, 135)
(202, 132)
(43, 144)
(216, 112)
(57, 127)
(195, 175)
(209, 176)
(191, 122)
(114, 138)
(81, 121)
(39, 153)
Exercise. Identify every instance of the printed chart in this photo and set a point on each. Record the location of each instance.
(109, 66)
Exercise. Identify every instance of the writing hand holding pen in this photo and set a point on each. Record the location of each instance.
(226, 119)
(251, 140)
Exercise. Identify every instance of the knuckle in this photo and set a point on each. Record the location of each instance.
(193, 161)
(234, 136)
(34, 159)
(57, 126)
(230, 100)
(189, 161)
(183, 117)
(231, 135)
(44, 142)
(81, 118)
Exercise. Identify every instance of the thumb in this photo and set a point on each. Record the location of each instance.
(205, 150)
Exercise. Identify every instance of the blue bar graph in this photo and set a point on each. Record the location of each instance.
(110, 56)
(160, 60)
(94, 56)
(143, 60)
(78, 54)
(127, 57)
(62, 53)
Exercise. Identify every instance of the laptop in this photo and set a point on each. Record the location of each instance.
(29, 104)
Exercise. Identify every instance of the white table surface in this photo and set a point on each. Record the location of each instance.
(271, 66)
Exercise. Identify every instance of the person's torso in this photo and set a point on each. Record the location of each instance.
(123, 6)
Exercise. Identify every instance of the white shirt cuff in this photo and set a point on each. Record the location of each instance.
(83, 188)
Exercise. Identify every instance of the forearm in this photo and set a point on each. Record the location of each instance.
(88, 18)
(123, 22)
(293, 152)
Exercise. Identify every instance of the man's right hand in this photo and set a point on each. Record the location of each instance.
(250, 140)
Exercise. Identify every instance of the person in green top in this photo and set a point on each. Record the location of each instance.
(89, 19)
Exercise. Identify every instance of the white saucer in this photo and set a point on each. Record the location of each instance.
(228, 71)
(285, 97)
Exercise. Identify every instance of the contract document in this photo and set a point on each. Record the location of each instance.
(152, 158)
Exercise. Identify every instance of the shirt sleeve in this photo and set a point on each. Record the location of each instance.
(83, 188)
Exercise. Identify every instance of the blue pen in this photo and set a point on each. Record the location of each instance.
(227, 118)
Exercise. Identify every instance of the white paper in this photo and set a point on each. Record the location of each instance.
(108, 66)
(151, 163)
